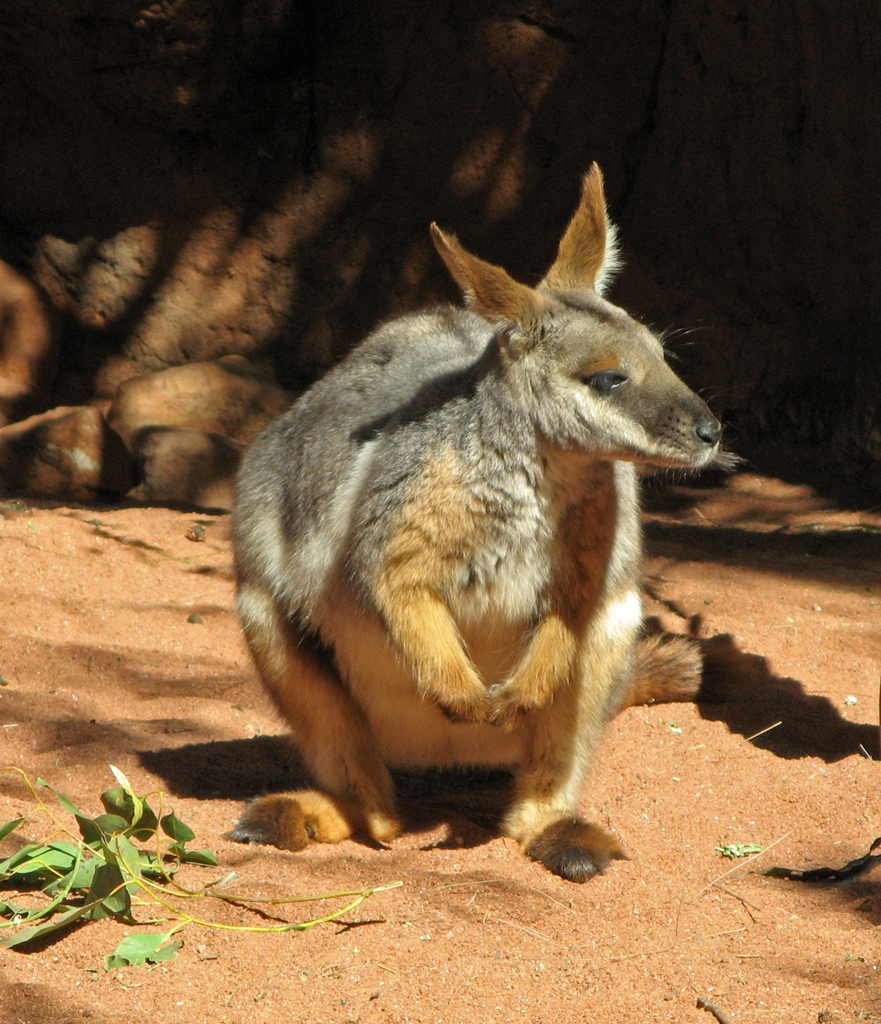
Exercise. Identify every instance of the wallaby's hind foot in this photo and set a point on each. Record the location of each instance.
(574, 849)
(355, 793)
(291, 821)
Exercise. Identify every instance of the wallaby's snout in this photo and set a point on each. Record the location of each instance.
(708, 429)
(680, 429)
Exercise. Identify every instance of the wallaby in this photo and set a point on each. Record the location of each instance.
(438, 550)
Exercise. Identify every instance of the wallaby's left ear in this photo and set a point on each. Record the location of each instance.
(489, 290)
(587, 256)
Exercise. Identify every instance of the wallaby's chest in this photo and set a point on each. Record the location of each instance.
(505, 566)
(496, 540)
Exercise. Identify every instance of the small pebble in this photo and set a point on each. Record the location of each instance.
(196, 532)
(194, 618)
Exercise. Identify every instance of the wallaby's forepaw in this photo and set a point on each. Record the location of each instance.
(465, 711)
(508, 707)
(574, 849)
(463, 699)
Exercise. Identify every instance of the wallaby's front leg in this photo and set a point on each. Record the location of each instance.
(546, 666)
(421, 561)
(426, 637)
(544, 816)
(332, 734)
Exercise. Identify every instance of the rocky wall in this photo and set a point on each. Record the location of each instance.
(189, 180)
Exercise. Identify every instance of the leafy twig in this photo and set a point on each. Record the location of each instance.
(122, 859)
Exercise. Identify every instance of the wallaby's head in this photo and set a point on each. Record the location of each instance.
(591, 377)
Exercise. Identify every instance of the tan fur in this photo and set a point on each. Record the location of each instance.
(432, 529)
(294, 820)
(565, 733)
(438, 550)
(308, 694)
(668, 668)
(489, 289)
(583, 251)
(546, 666)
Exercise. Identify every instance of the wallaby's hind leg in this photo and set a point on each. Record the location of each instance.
(544, 817)
(356, 792)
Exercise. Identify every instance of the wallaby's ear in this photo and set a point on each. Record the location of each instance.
(489, 290)
(587, 255)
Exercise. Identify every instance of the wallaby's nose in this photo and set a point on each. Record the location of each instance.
(708, 429)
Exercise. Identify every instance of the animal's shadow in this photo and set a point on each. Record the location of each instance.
(470, 801)
(738, 689)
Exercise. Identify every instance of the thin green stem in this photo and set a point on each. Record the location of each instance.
(298, 926)
(41, 805)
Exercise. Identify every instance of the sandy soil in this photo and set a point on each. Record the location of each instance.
(101, 664)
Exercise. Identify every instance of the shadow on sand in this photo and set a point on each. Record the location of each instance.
(738, 689)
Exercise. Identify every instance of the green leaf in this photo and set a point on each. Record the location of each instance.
(129, 854)
(172, 826)
(111, 824)
(10, 827)
(62, 799)
(142, 948)
(109, 895)
(90, 832)
(137, 812)
(167, 953)
(96, 830)
(138, 806)
(81, 878)
(18, 916)
(734, 850)
(34, 862)
(193, 856)
(37, 931)
(152, 868)
(59, 889)
(122, 801)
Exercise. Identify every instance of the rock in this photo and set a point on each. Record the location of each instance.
(69, 453)
(225, 396)
(28, 345)
(186, 467)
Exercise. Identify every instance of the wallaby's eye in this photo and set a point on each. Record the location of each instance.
(606, 382)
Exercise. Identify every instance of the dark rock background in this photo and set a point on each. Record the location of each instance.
(193, 179)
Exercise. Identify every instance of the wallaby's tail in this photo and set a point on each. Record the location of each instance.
(668, 668)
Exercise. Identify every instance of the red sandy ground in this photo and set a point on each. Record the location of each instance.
(103, 666)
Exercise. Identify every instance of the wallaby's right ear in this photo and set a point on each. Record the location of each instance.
(587, 255)
(488, 289)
